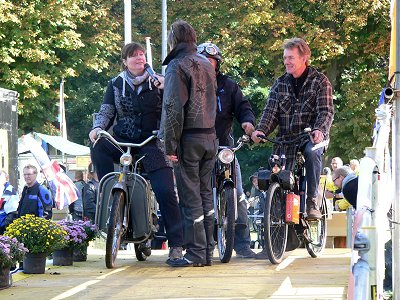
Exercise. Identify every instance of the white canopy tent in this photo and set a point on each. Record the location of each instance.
(62, 144)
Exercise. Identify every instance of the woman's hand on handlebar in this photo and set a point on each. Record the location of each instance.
(93, 134)
(255, 138)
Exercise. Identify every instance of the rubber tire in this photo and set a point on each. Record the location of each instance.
(275, 228)
(316, 250)
(114, 229)
(226, 224)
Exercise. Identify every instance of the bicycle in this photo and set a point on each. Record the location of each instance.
(224, 197)
(126, 210)
(285, 188)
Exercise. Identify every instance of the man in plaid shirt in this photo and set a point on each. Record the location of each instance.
(300, 98)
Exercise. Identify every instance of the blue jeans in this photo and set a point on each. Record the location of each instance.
(313, 165)
(242, 230)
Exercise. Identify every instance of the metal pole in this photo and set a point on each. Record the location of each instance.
(396, 161)
(128, 21)
(163, 32)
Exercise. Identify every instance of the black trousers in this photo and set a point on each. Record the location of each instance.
(104, 155)
(196, 158)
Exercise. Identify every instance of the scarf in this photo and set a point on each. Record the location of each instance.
(134, 81)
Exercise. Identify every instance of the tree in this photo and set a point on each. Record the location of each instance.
(43, 42)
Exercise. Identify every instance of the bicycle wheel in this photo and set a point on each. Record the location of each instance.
(226, 224)
(115, 228)
(316, 233)
(275, 228)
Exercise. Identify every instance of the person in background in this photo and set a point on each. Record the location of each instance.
(8, 202)
(35, 198)
(134, 101)
(89, 194)
(232, 105)
(300, 99)
(347, 181)
(354, 165)
(188, 132)
(76, 208)
(332, 192)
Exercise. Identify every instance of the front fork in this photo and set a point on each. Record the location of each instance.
(216, 190)
(121, 185)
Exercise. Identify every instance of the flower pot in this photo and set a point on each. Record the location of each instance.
(34, 263)
(63, 257)
(5, 278)
(80, 254)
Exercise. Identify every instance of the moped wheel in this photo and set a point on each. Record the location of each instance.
(226, 224)
(316, 233)
(275, 228)
(115, 229)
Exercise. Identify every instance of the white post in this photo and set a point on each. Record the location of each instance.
(63, 123)
(396, 160)
(163, 32)
(127, 21)
(148, 52)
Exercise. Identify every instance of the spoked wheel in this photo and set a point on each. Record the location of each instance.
(115, 229)
(226, 224)
(275, 228)
(316, 233)
(141, 252)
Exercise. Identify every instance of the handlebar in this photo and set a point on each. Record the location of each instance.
(306, 133)
(244, 139)
(105, 134)
(287, 142)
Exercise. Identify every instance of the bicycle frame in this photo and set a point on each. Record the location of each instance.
(281, 228)
(124, 181)
(225, 198)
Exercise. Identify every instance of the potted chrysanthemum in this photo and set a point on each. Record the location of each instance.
(11, 252)
(80, 250)
(76, 237)
(40, 236)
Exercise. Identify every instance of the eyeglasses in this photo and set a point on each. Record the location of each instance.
(210, 49)
(335, 179)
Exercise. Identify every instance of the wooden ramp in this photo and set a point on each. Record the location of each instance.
(298, 277)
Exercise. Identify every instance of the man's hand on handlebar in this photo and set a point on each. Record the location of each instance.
(248, 128)
(317, 136)
(254, 136)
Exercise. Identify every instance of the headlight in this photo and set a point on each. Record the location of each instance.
(226, 156)
(126, 159)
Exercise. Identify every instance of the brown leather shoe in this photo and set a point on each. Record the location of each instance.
(312, 211)
(313, 214)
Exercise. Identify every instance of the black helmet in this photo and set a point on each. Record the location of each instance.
(210, 50)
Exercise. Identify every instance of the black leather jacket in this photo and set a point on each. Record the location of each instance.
(230, 104)
(189, 95)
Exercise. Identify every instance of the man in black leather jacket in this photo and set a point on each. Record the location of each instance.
(188, 131)
(231, 104)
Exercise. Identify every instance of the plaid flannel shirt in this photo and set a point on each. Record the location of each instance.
(313, 108)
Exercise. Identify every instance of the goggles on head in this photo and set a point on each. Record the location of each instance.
(209, 49)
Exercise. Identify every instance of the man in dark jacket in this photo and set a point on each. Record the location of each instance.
(188, 131)
(299, 99)
(231, 104)
(35, 199)
(89, 194)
